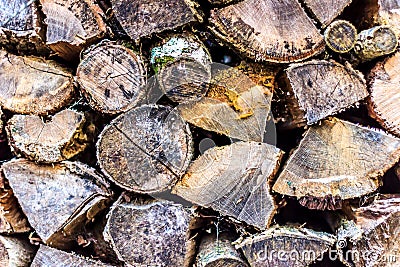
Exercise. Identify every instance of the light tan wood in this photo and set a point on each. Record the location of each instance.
(326, 10)
(15, 252)
(387, 14)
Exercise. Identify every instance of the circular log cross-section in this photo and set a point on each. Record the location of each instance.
(340, 36)
(111, 77)
(146, 149)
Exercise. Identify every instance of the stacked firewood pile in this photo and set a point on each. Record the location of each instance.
(199, 133)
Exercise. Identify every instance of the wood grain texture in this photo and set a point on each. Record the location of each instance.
(30, 85)
(337, 160)
(324, 88)
(326, 11)
(340, 36)
(388, 14)
(15, 252)
(112, 77)
(158, 232)
(140, 18)
(384, 84)
(146, 149)
(57, 199)
(262, 249)
(234, 180)
(64, 136)
(277, 31)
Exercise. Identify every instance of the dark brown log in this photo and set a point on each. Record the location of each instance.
(340, 36)
(50, 257)
(112, 77)
(286, 246)
(158, 232)
(143, 18)
(234, 180)
(326, 11)
(183, 67)
(324, 88)
(65, 135)
(15, 251)
(30, 85)
(337, 160)
(373, 238)
(146, 149)
(263, 30)
(71, 25)
(58, 199)
(385, 92)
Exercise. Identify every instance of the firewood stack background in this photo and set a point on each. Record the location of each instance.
(199, 133)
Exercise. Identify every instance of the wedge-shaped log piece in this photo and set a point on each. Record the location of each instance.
(324, 88)
(141, 18)
(373, 238)
(61, 138)
(15, 251)
(72, 25)
(57, 199)
(277, 31)
(234, 180)
(286, 246)
(337, 160)
(31, 85)
(158, 232)
(385, 91)
(50, 257)
(326, 10)
(146, 149)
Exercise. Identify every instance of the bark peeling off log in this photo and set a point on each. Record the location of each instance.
(62, 138)
(286, 246)
(324, 88)
(144, 17)
(264, 30)
(385, 91)
(234, 180)
(31, 85)
(337, 160)
(156, 233)
(58, 198)
(50, 257)
(15, 251)
(146, 149)
(326, 10)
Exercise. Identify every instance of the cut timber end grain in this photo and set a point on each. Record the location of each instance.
(234, 180)
(326, 10)
(140, 18)
(373, 239)
(31, 85)
(299, 247)
(277, 31)
(51, 257)
(340, 36)
(112, 77)
(14, 251)
(58, 199)
(324, 88)
(388, 14)
(72, 24)
(150, 234)
(337, 160)
(146, 149)
(63, 137)
(384, 83)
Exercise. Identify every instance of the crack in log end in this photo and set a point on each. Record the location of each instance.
(328, 202)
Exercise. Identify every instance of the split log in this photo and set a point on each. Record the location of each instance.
(31, 85)
(145, 17)
(65, 135)
(234, 180)
(218, 251)
(112, 77)
(50, 257)
(58, 199)
(286, 246)
(71, 25)
(385, 92)
(340, 36)
(388, 14)
(337, 160)
(327, 10)
(373, 239)
(146, 149)
(15, 251)
(263, 30)
(222, 2)
(158, 232)
(324, 88)
(183, 67)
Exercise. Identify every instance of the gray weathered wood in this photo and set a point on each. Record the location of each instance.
(387, 14)
(326, 10)
(340, 36)
(15, 252)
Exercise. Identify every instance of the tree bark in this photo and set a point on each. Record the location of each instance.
(15, 251)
